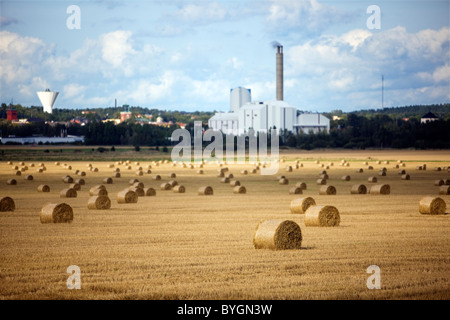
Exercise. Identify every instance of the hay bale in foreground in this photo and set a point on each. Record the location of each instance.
(239, 189)
(322, 216)
(406, 177)
(56, 213)
(67, 179)
(206, 190)
(172, 175)
(108, 180)
(149, 192)
(7, 204)
(99, 203)
(133, 181)
(321, 181)
(165, 186)
(438, 182)
(382, 173)
(28, 177)
(11, 182)
(301, 185)
(156, 177)
(139, 191)
(235, 183)
(98, 190)
(345, 178)
(18, 173)
(277, 235)
(75, 186)
(380, 189)
(372, 179)
(179, 189)
(444, 190)
(127, 196)
(300, 205)
(360, 170)
(358, 189)
(295, 190)
(80, 181)
(138, 185)
(173, 183)
(43, 188)
(68, 193)
(432, 205)
(327, 190)
(225, 180)
(283, 181)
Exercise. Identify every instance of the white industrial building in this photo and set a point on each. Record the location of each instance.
(261, 116)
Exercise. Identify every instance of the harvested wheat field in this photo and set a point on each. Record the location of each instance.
(188, 246)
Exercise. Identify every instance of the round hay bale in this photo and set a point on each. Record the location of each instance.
(254, 171)
(324, 176)
(68, 179)
(281, 177)
(156, 177)
(220, 175)
(380, 189)
(406, 177)
(322, 216)
(43, 188)
(117, 175)
(28, 177)
(127, 196)
(437, 169)
(295, 190)
(321, 181)
(225, 180)
(447, 181)
(18, 173)
(235, 183)
(345, 178)
(172, 175)
(139, 191)
(76, 171)
(108, 180)
(372, 179)
(300, 205)
(301, 185)
(179, 189)
(200, 171)
(206, 190)
(277, 235)
(11, 182)
(173, 183)
(444, 190)
(283, 181)
(432, 205)
(229, 175)
(382, 173)
(15, 168)
(56, 213)
(98, 190)
(40, 170)
(400, 172)
(165, 186)
(7, 204)
(358, 189)
(239, 189)
(244, 171)
(327, 190)
(80, 181)
(116, 170)
(289, 168)
(139, 173)
(133, 181)
(75, 186)
(82, 174)
(149, 192)
(439, 182)
(68, 193)
(138, 184)
(360, 170)
(99, 203)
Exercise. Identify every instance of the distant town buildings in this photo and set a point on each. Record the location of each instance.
(429, 117)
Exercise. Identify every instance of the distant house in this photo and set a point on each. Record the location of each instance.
(312, 122)
(429, 117)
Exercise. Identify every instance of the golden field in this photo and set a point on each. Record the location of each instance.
(187, 246)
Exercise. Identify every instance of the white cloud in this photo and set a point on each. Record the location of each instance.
(204, 13)
(116, 47)
(74, 91)
(442, 74)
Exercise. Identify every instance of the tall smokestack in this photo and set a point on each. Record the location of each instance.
(279, 72)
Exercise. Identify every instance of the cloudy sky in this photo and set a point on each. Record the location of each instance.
(187, 55)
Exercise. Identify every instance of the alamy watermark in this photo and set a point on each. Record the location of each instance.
(374, 21)
(74, 280)
(234, 153)
(374, 281)
(74, 20)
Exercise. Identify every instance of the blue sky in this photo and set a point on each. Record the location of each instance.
(187, 55)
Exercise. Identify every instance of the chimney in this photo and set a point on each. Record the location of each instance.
(279, 72)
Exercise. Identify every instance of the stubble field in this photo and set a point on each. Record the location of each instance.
(187, 246)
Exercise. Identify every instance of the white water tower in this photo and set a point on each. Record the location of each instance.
(47, 98)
